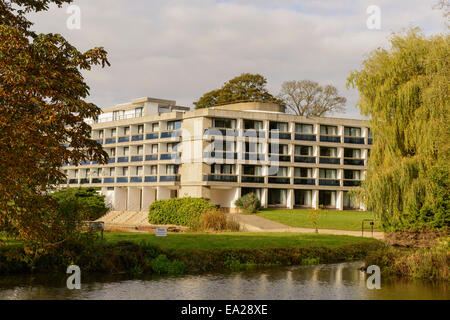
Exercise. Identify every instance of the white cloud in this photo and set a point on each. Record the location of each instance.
(180, 49)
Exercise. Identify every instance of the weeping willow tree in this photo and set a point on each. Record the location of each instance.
(404, 91)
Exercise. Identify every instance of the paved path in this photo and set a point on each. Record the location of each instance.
(258, 224)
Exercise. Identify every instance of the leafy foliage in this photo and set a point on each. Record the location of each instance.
(249, 203)
(86, 202)
(42, 112)
(246, 87)
(179, 211)
(405, 92)
(308, 98)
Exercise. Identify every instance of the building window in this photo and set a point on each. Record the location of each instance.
(303, 198)
(173, 125)
(253, 125)
(140, 149)
(328, 130)
(277, 197)
(126, 151)
(111, 172)
(327, 173)
(100, 134)
(352, 153)
(139, 171)
(125, 171)
(154, 148)
(113, 132)
(154, 170)
(352, 174)
(278, 148)
(171, 169)
(126, 131)
(141, 128)
(303, 172)
(224, 123)
(112, 152)
(172, 147)
(253, 147)
(352, 132)
(327, 198)
(303, 150)
(155, 127)
(252, 170)
(280, 126)
(304, 128)
(138, 112)
(328, 152)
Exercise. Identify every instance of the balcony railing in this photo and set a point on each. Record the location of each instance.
(221, 132)
(305, 136)
(352, 183)
(151, 179)
(305, 159)
(252, 179)
(253, 133)
(122, 159)
(123, 139)
(280, 180)
(328, 138)
(111, 160)
(99, 141)
(169, 156)
(253, 156)
(96, 180)
(170, 134)
(329, 182)
(219, 178)
(354, 140)
(137, 158)
(353, 162)
(136, 179)
(137, 137)
(108, 180)
(220, 155)
(329, 160)
(151, 136)
(169, 178)
(151, 157)
(307, 181)
(280, 135)
(110, 140)
(84, 181)
(279, 157)
(73, 181)
(122, 180)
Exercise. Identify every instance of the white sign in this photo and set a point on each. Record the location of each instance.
(161, 232)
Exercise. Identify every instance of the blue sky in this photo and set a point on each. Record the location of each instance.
(179, 50)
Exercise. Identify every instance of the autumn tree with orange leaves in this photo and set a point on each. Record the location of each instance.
(42, 107)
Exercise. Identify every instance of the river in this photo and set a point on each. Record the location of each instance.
(333, 281)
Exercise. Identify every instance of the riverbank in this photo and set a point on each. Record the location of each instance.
(143, 253)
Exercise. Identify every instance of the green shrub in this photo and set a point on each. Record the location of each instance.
(248, 203)
(162, 265)
(85, 202)
(215, 220)
(179, 211)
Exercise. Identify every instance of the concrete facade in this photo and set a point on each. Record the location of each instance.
(159, 151)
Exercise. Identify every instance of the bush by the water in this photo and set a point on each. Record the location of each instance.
(179, 211)
(248, 203)
(85, 202)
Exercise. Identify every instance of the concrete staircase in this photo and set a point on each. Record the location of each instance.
(125, 219)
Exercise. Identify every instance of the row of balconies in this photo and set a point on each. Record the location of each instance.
(154, 178)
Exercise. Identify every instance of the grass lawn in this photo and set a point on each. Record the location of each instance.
(236, 240)
(338, 220)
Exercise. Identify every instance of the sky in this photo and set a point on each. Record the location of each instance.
(178, 50)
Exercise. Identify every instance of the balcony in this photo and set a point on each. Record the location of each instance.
(220, 155)
(305, 181)
(98, 141)
(169, 178)
(280, 135)
(110, 140)
(122, 180)
(279, 157)
(329, 182)
(352, 183)
(137, 137)
(252, 179)
(354, 140)
(170, 134)
(305, 159)
(169, 156)
(122, 159)
(329, 138)
(329, 160)
(84, 181)
(136, 179)
(151, 136)
(220, 178)
(353, 162)
(73, 181)
(124, 139)
(137, 158)
(280, 180)
(151, 179)
(305, 136)
(253, 156)
(221, 132)
(96, 180)
(253, 134)
(151, 157)
(108, 180)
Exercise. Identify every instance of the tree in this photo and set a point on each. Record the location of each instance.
(404, 89)
(246, 87)
(42, 112)
(308, 98)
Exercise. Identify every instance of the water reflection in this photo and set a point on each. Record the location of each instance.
(335, 281)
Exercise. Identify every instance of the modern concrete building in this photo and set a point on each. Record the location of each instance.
(159, 150)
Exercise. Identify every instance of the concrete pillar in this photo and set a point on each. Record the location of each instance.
(148, 196)
(315, 199)
(109, 197)
(340, 200)
(237, 195)
(120, 198)
(264, 197)
(290, 199)
(134, 199)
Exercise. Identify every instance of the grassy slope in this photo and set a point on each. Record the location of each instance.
(237, 240)
(339, 220)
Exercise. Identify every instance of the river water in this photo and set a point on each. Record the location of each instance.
(333, 281)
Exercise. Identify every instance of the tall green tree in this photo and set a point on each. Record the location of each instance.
(246, 87)
(42, 110)
(405, 92)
